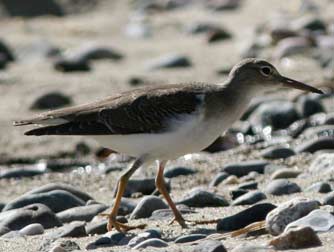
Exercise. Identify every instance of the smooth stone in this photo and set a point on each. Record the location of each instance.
(21, 172)
(281, 187)
(277, 152)
(245, 217)
(237, 193)
(63, 164)
(287, 212)
(220, 177)
(285, 173)
(81, 213)
(328, 199)
(189, 238)
(126, 207)
(314, 145)
(6, 52)
(96, 227)
(308, 105)
(12, 235)
(217, 35)
(243, 168)
(292, 46)
(319, 220)
(223, 5)
(296, 238)
(248, 185)
(153, 242)
(253, 248)
(32, 229)
(249, 198)
(20, 218)
(319, 187)
(170, 61)
(210, 246)
(73, 229)
(148, 234)
(2, 205)
(64, 246)
(178, 171)
(57, 200)
(71, 65)
(200, 28)
(112, 238)
(146, 206)
(61, 186)
(311, 23)
(161, 214)
(200, 198)
(322, 164)
(271, 168)
(51, 100)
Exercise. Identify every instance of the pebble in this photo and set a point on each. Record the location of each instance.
(199, 28)
(249, 198)
(21, 172)
(243, 168)
(51, 100)
(287, 212)
(146, 206)
(223, 5)
(148, 234)
(281, 187)
(220, 177)
(2, 205)
(277, 152)
(81, 213)
(73, 229)
(170, 61)
(189, 238)
(61, 186)
(20, 218)
(178, 171)
(217, 35)
(57, 200)
(296, 238)
(322, 164)
(6, 52)
(319, 220)
(210, 246)
(200, 198)
(310, 23)
(126, 207)
(65, 246)
(71, 65)
(96, 227)
(112, 238)
(329, 199)
(319, 187)
(313, 145)
(154, 242)
(161, 214)
(32, 229)
(245, 217)
(285, 173)
(308, 105)
(237, 193)
(248, 185)
(292, 46)
(144, 186)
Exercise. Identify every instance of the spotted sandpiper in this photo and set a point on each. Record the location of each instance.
(164, 122)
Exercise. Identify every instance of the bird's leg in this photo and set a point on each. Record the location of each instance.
(160, 184)
(120, 191)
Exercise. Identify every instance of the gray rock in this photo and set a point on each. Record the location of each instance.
(248, 185)
(310, 23)
(285, 173)
(277, 152)
(287, 212)
(63, 246)
(292, 46)
(21, 172)
(271, 168)
(243, 168)
(237, 193)
(81, 213)
(200, 28)
(127, 206)
(97, 227)
(51, 101)
(220, 177)
(146, 206)
(189, 238)
(210, 246)
(201, 198)
(71, 65)
(320, 187)
(314, 145)
(161, 214)
(112, 238)
(223, 5)
(249, 198)
(178, 171)
(32, 229)
(20, 218)
(250, 215)
(6, 52)
(281, 187)
(329, 199)
(2, 205)
(218, 34)
(73, 229)
(154, 242)
(148, 234)
(322, 164)
(170, 61)
(319, 220)
(308, 105)
(57, 200)
(297, 238)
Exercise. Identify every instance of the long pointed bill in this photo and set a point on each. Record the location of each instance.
(287, 82)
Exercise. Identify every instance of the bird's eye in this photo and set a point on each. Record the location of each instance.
(266, 71)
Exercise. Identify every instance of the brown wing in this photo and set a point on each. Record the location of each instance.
(133, 112)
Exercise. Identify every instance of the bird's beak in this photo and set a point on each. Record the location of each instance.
(287, 82)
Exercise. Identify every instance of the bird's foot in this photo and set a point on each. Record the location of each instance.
(120, 227)
(184, 223)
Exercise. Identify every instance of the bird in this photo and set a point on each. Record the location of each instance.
(164, 122)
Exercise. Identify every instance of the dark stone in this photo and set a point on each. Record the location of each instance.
(201, 198)
(60, 245)
(218, 35)
(199, 28)
(19, 218)
(237, 193)
(73, 229)
(328, 199)
(281, 187)
(57, 200)
(310, 23)
(178, 171)
(146, 206)
(136, 81)
(292, 46)
(319, 187)
(220, 177)
(109, 239)
(153, 242)
(64, 164)
(90, 52)
(161, 214)
(21, 172)
(6, 52)
(51, 101)
(189, 238)
(249, 198)
(71, 65)
(277, 152)
(81, 213)
(248, 186)
(127, 206)
(170, 61)
(210, 246)
(223, 5)
(147, 234)
(308, 105)
(243, 168)
(248, 216)
(100, 227)
(314, 145)
(2, 205)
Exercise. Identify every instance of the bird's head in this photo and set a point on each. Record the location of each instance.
(262, 76)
